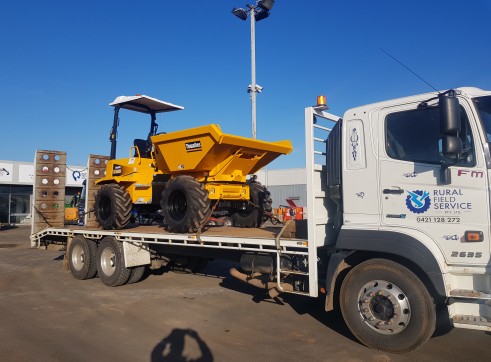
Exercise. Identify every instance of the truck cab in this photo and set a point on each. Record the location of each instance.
(395, 147)
(409, 197)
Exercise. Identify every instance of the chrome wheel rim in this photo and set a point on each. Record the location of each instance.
(78, 257)
(108, 261)
(384, 307)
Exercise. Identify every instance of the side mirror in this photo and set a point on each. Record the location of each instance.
(449, 113)
(450, 124)
(451, 146)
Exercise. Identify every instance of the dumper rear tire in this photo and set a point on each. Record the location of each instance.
(185, 204)
(254, 215)
(112, 207)
(387, 307)
(82, 257)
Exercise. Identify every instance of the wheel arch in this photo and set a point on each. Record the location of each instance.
(355, 247)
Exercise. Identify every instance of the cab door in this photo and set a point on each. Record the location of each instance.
(413, 196)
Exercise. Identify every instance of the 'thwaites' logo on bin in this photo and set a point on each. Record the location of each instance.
(418, 201)
(193, 146)
(117, 169)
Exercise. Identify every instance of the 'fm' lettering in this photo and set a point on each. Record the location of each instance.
(476, 174)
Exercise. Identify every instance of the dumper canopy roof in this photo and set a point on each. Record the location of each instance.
(144, 104)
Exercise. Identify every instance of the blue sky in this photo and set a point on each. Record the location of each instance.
(63, 62)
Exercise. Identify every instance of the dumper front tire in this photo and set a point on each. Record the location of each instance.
(185, 204)
(254, 215)
(82, 257)
(112, 207)
(387, 307)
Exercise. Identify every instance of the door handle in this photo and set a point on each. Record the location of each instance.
(395, 191)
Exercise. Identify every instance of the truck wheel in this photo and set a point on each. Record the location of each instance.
(252, 216)
(387, 307)
(82, 257)
(110, 263)
(185, 204)
(136, 274)
(112, 207)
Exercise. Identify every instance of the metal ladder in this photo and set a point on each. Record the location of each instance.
(315, 137)
(286, 287)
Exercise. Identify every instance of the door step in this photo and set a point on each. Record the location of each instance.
(471, 320)
(295, 272)
(470, 293)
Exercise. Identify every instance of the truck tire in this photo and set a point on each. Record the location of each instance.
(112, 207)
(82, 257)
(136, 274)
(185, 204)
(110, 263)
(387, 307)
(253, 216)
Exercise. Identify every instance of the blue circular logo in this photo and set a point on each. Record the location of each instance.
(418, 201)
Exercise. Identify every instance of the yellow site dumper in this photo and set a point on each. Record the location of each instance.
(185, 176)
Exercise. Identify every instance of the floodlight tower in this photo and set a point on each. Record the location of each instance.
(256, 12)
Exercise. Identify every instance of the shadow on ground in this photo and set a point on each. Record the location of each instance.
(178, 347)
(301, 305)
(8, 227)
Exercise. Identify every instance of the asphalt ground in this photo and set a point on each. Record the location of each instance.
(47, 315)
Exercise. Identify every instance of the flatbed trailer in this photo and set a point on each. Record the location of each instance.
(140, 242)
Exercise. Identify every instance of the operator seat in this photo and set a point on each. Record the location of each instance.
(144, 147)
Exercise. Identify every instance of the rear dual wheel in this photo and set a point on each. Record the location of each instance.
(137, 273)
(82, 257)
(110, 263)
(111, 266)
(86, 260)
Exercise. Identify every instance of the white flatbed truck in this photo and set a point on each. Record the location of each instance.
(398, 223)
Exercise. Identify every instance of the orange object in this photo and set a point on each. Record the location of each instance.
(321, 101)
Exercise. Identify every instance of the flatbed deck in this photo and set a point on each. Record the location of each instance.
(253, 239)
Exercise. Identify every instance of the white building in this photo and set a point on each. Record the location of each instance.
(16, 181)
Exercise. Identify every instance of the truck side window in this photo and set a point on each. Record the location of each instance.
(484, 107)
(415, 136)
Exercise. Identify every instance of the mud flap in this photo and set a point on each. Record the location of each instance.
(135, 254)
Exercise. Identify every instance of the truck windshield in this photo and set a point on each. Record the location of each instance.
(483, 105)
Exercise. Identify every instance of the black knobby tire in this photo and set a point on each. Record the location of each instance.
(82, 257)
(387, 307)
(110, 263)
(185, 204)
(136, 274)
(254, 216)
(267, 204)
(112, 207)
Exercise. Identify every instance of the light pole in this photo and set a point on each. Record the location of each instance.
(256, 12)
